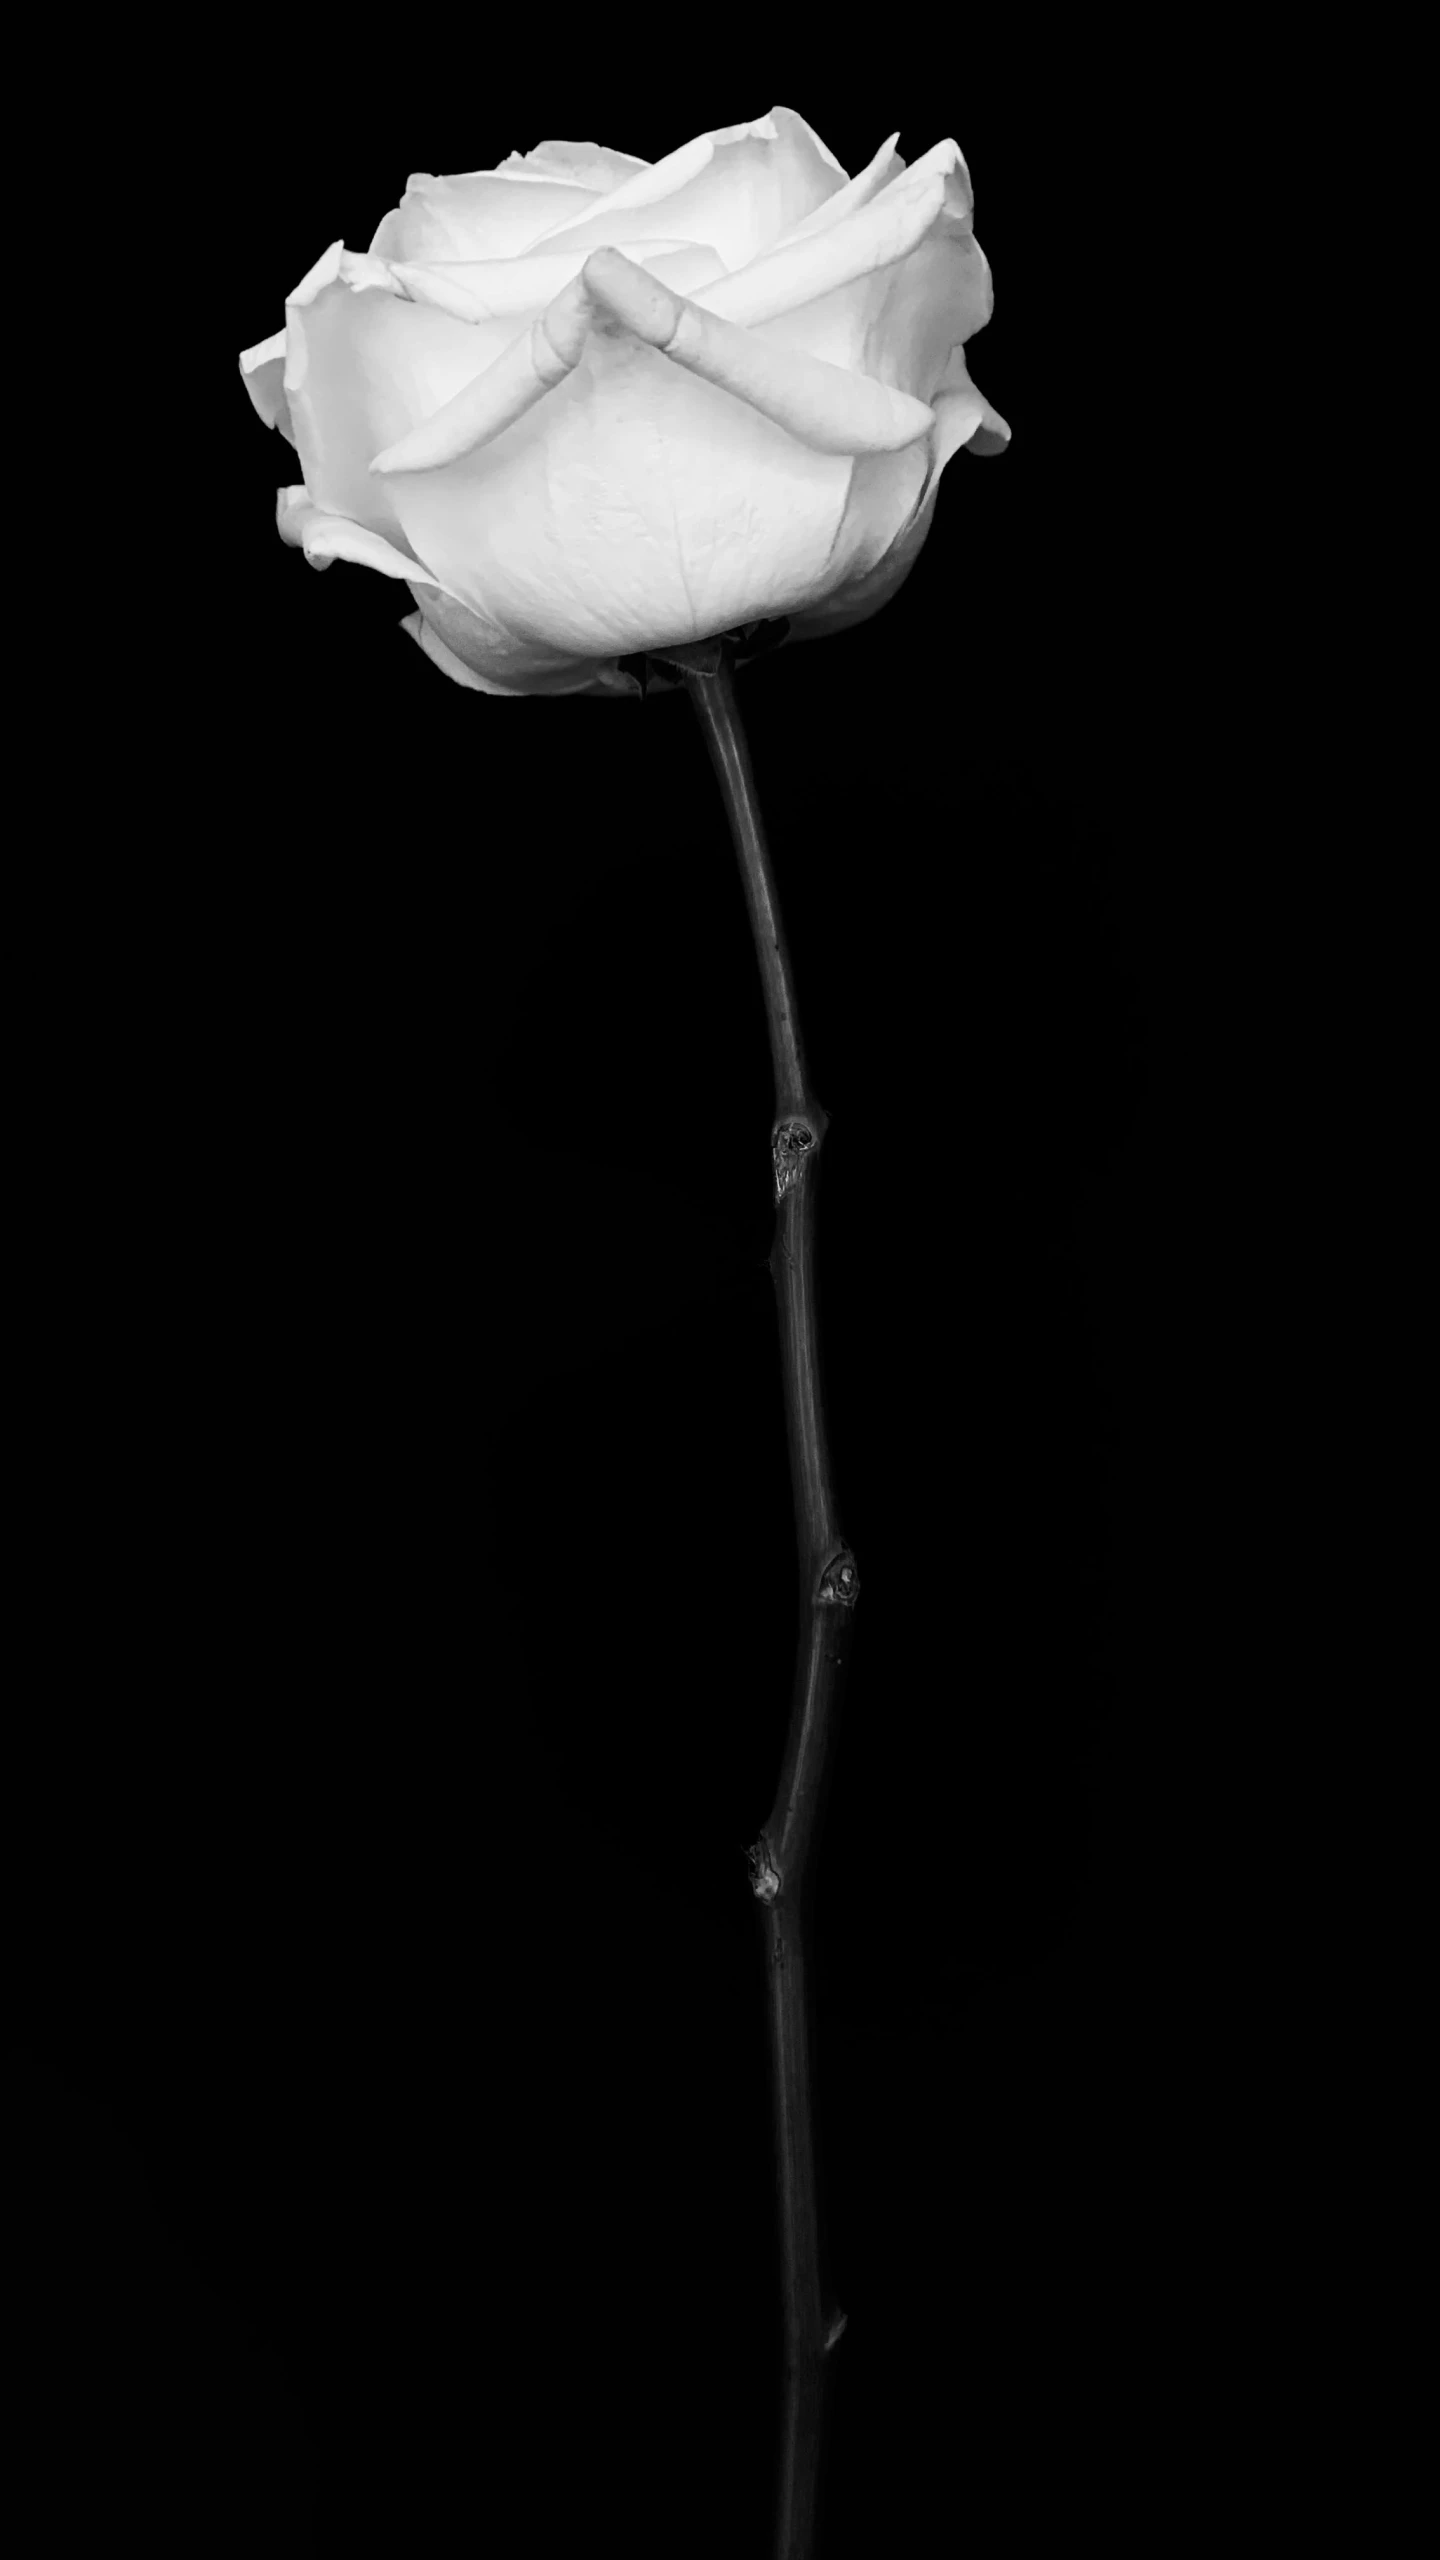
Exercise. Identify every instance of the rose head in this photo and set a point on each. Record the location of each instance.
(585, 406)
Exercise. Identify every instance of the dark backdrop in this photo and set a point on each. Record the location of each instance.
(415, 1493)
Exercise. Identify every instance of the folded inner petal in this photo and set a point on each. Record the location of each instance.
(882, 228)
(489, 288)
(736, 189)
(826, 406)
(480, 216)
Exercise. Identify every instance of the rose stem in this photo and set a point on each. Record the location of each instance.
(829, 1585)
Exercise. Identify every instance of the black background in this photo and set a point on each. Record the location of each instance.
(414, 1506)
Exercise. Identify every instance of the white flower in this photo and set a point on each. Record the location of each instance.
(585, 406)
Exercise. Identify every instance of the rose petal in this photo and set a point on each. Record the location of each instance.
(450, 633)
(363, 366)
(579, 164)
(856, 599)
(495, 661)
(965, 419)
(446, 660)
(963, 416)
(914, 315)
(262, 369)
(606, 679)
(483, 215)
(324, 537)
(735, 189)
(886, 165)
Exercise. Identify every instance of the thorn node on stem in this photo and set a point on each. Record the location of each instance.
(790, 1145)
(839, 1580)
(765, 1876)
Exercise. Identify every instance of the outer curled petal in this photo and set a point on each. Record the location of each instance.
(449, 633)
(858, 598)
(963, 416)
(602, 678)
(324, 537)
(362, 365)
(475, 652)
(262, 370)
(445, 659)
(329, 426)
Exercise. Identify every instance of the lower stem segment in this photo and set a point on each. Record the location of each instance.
(829, 1586)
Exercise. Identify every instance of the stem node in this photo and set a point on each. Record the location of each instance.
(765, 1876)
(840, 1582)
(791, 1143)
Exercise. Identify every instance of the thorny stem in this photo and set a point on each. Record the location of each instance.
(829, 1588)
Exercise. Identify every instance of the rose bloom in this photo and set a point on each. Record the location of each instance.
(586, 406)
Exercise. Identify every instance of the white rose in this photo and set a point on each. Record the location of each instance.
(585, 406)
